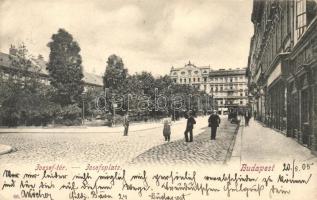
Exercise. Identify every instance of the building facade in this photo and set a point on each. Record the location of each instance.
(228, 87)
(191, 75)
(282, 67)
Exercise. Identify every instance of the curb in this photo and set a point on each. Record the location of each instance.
(4, 149)
(233, 145)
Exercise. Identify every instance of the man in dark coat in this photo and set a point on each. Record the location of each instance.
(189, 127)
(247, 117)
(213, 122)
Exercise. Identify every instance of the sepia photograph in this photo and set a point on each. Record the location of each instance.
(162, 100)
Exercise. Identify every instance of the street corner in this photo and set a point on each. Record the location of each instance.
(4, 149)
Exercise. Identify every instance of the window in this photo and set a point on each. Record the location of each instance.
(230, 79)
(300, 17)
(189, 80)
(180, 80)
(182, 73)
(194, 79)
(241, 102)
(184, 80)
(205, 79)
(205, 87)
(198, 79)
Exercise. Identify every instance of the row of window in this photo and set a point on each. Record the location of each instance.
(221, 87)
(190, 72)
(7, 76)
(229, 102)
(197, 80)
(227, 79)
(191, 80)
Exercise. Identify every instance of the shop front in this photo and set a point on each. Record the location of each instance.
(301, 84)
(277, 95)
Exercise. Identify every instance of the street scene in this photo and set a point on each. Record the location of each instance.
(150, 90)
(158, 100)
(138, 147)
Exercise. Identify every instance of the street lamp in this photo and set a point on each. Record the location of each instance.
(83, 107)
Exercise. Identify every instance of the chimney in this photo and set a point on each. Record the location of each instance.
(13, 51)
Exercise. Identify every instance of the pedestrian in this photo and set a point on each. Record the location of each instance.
(247, 117)
(189, 127)
(254, 114)
(167, 129)
(126, 124)
(213, 122)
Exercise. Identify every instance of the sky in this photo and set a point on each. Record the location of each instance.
(149, 35)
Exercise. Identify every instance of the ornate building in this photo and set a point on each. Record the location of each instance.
(282, 67)
(228, 87)
(191, 75)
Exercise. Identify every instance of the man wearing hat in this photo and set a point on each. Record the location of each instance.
(189, 127)
(213, 122)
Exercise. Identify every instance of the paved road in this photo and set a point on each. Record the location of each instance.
(33, 148)
(201, 151)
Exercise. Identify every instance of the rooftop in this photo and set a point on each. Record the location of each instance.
(39, 65)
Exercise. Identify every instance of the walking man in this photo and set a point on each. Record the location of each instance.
(213, 122)
(189, 127)
(126, 124)
(247, 117)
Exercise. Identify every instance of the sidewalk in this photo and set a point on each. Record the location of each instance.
(257, 143)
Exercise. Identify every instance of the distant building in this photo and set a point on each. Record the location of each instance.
(228, 87)
(91, 81)
(191, 75)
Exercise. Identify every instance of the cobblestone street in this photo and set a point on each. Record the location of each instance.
(201, 151)
(140, 146)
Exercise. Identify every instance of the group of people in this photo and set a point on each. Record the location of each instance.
(213, 122)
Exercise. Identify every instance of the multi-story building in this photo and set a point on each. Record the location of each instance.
(282, 67)
(91, 81)
(191, 75)
(228, 87)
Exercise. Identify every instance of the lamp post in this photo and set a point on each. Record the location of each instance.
(83, 108)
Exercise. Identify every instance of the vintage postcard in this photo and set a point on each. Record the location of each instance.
(158, 100)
